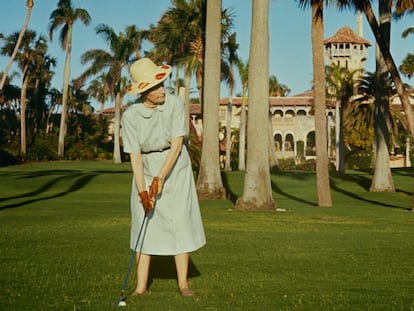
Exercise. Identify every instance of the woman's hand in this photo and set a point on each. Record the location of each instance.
(155, 188)
(147, 203)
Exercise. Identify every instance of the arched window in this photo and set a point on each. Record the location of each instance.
(289, 143)
(278, 142)
(310, 144)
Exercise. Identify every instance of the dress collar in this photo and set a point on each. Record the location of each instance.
(148, 112)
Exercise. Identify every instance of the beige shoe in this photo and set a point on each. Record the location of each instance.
(186, 292)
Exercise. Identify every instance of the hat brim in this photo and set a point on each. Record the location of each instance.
(138, 87)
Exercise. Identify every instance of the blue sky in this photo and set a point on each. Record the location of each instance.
(290, 33)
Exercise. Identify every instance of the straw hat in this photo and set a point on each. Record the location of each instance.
(145, 75)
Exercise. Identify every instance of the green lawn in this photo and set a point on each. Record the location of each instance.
(64, 238)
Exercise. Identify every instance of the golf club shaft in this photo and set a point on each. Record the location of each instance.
(121, 297)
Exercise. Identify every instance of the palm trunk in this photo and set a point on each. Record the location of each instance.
(382, 180)
(257, 190)
(227, 166)
(23, 106)
(63, 116)
(209, 183)
(273, 162)
(117, 128)
(242, 133)
(392, 68)
(187, 79)
(322, 172)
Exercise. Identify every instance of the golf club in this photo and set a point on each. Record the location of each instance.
(121, 300)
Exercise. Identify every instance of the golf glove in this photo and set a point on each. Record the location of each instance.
(155, 188)
(146, 202)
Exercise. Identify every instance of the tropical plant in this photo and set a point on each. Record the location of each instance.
(64, 16)
(122, 49)
(365, 6)
(276, 88)
(257, 190)
(29, 4)
(98, 89)
(407, 66)
(341, 86)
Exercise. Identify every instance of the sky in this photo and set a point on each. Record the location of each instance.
(289, 26)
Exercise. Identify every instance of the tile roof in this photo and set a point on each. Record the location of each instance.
(346, 35)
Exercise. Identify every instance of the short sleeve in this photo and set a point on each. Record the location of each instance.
(178, 118)
(129, 133)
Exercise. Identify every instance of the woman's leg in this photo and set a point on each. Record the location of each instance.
(143, 264)
(181, 264)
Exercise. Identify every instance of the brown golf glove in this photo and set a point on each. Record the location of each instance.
(155, 188)
(146, 202)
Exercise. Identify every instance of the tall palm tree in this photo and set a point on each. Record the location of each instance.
(382, 180)
(178, 39)
(122, 49)
(322, 160)
(209, 183)
(257, 191)
(64, 16)
(24, 56)
(229, 59)
(29, 4)
(243, 68)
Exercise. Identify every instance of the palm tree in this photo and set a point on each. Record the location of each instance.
(209, 183)
(122, 49)
(178, 39)
(29, 4)
(277, 89)
(322, 161)
(365, 6)
(64, 16)
(257, 191)
(98, 89)
(341, 86)
(229, 59)
(382, 180)
(25, 59)
(407, 65)
(243, 68)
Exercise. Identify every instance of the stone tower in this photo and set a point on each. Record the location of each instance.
(346, 48)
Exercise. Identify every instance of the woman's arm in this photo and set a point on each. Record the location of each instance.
(138, 171)
(176, 145)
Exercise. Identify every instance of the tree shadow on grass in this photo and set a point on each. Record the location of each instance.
(232, 196)
(81, 181)
(364, 183)
(290, 196)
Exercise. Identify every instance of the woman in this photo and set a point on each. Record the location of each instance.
(163, 188)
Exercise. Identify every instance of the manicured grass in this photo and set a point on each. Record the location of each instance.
(64, 238)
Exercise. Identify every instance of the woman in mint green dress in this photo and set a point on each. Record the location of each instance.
(163, 188)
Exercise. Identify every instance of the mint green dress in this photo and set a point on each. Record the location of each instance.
(175, 225)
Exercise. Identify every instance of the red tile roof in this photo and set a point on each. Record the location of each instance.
(346, 35)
